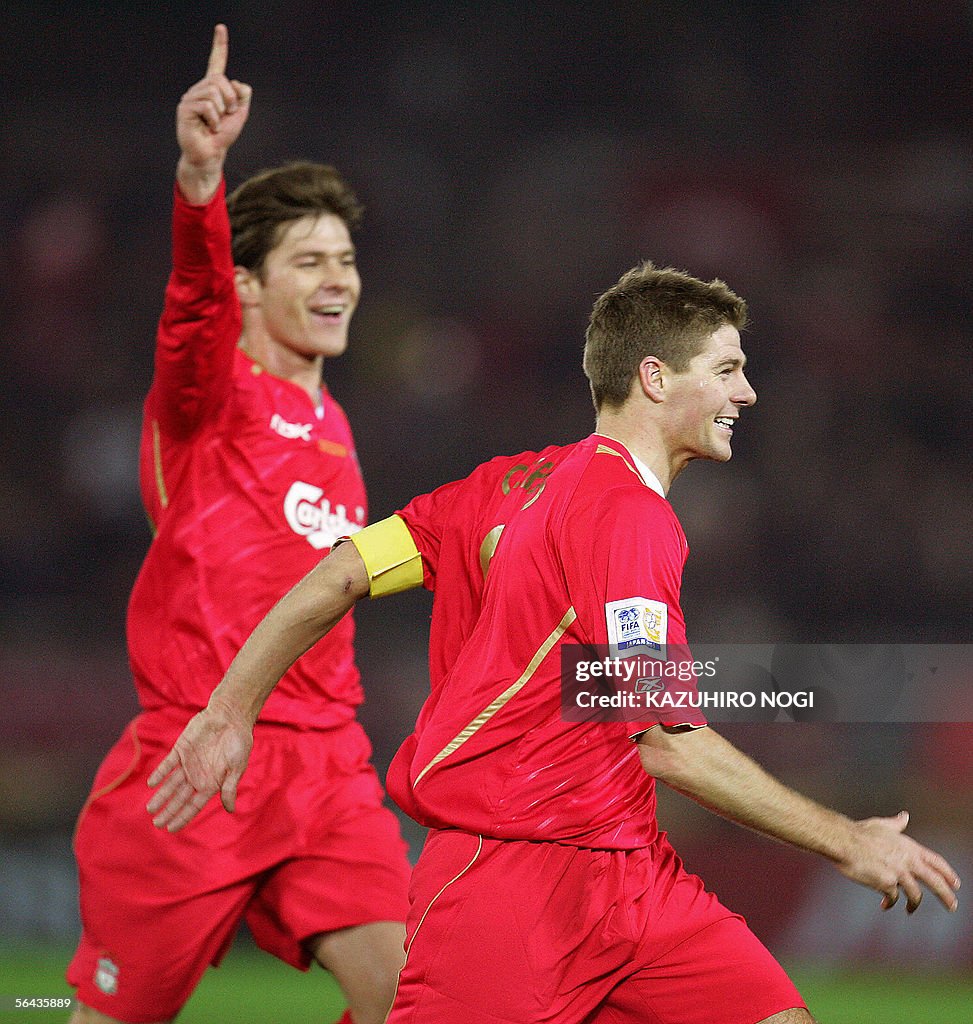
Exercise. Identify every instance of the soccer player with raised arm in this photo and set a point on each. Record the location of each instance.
(546, 891)
(249, 475)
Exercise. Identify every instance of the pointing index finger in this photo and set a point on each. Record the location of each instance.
(219, 52)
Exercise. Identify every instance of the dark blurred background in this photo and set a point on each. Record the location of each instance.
(514, 160)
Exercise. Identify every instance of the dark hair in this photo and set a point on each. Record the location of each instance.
(665, 313)
(262, 207)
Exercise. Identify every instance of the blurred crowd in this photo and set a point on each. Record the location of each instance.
(514, 159)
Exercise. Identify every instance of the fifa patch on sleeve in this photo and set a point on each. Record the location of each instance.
(637, 625)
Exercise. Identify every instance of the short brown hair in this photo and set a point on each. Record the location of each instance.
(664, 313)
(263, 205)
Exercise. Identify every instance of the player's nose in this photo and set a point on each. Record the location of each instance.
(745, 394)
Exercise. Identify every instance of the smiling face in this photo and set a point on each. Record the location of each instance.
(299, 305)
(704, 401)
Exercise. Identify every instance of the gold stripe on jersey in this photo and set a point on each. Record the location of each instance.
(488, 712)
(603, 449)
(160, 482)
(489, 546)
(391, 557)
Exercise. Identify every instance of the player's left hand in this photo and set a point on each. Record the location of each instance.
(209, 757)
(212, 113)
(888, 861)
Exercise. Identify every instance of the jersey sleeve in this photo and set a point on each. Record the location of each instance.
(427, 518)
(628, 559)
(458, 513)
(201, 319)
(628, 544)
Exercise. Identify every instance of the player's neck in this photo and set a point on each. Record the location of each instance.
(642, 439)
(284, 362)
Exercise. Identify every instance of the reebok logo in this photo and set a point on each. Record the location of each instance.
(290, 430)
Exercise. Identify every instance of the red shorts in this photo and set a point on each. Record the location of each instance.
(520, 933)
(311, 848)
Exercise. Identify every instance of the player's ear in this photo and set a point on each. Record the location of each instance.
(651, 378)
(247, 286)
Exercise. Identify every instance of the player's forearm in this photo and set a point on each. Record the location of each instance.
(709, 769)
(201, 319)
(298, 621)
(198, 182)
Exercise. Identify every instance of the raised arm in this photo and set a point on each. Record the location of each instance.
(209, 119)
(201, 320)
(873, 852)
(211, 754)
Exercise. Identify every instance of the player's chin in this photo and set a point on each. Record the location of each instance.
(721, 452)
(723, 440)
(331, 347)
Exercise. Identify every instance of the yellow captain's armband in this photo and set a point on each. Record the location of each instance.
(391, 557)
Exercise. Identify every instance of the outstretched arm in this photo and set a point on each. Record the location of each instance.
(873, 852)
(209, 119)
(211, 754)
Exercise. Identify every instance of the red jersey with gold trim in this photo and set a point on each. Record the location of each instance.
(247, 485)
(456, 528)
(584, 534)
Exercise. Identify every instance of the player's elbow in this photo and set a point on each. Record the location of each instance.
(667, 755)
(351, 576)
(661, 765)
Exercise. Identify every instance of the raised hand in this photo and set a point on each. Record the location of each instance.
(208, 758)
(886, 860)
(209, 119)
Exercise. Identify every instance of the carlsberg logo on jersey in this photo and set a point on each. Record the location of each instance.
(309, 514)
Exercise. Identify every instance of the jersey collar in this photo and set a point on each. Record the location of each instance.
(648, 477)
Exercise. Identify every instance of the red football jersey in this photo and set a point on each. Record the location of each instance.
(455, 529)
(492, 752)
(247, 485)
